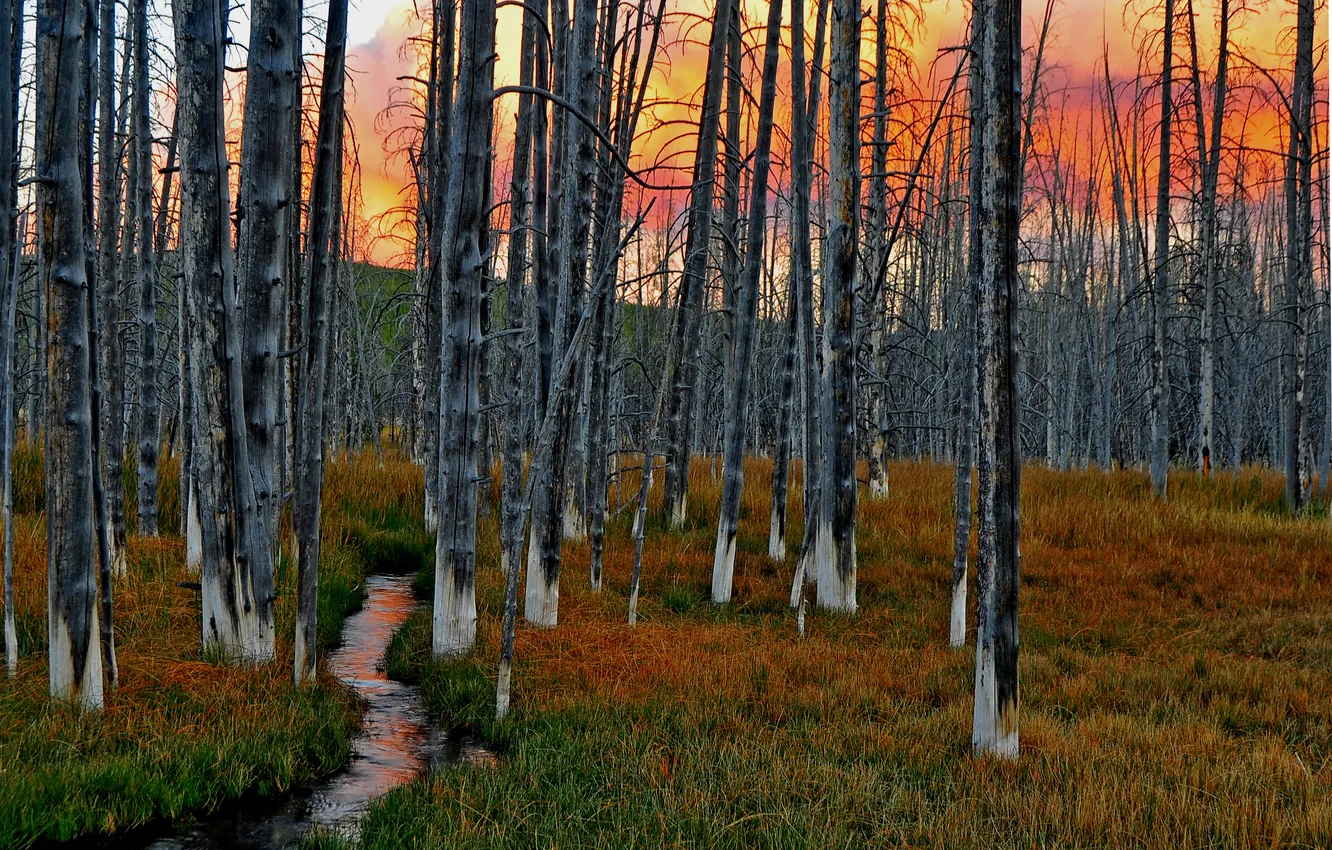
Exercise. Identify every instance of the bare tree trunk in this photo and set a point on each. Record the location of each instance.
(1298, 261)
(223, 490)
(75, 663)
(150, 434)
(108, 280)
(441, 94)
(681, 399)
(263, 214)
(11, 63)
(878, 209)
(1160, 415)
(454, 629)
(802, 178)
(965, 447)
(998, 35)
(746, 305)
(513, 523)
(835, 548)
(324, 195)
(1210, 161)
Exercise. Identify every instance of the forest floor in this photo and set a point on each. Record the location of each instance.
(1176, 676)
(181, 735)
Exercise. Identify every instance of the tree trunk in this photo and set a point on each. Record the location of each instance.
(1160, 415)
(263, 215)
(150, 434)
(681, 399)
(746, 305)
(454, 629)
(997, 24)
(835, 548)
(75, 663)
(1298, 262)
(232, 628)
(11, 50)
(324, 195)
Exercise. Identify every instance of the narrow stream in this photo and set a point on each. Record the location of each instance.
(395, 745)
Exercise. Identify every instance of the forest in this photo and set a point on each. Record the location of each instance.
(645, 423)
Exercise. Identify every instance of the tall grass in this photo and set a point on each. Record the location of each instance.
(181, 735)
(1176, 678)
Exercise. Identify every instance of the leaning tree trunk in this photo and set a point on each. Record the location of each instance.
(746, 304)
(1160, 416)
(454, 629)
(997, 25)
(835, 548)
(11, 48)
(680, 401)
(74, 659)
(324, 193)
(150, 433)
(263, 214)
(231, 624)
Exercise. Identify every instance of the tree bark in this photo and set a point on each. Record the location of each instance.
(75, 663)
(681, 399)
(998, 207)
(324, 194)
(835, 548)
(263, 214)
(228, 515)
(1160, 415)
(150, 433)
(454, 619)
(11, 63)
(746, 305)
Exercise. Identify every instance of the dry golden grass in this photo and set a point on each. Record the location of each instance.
(179, 734)
(1176, 678)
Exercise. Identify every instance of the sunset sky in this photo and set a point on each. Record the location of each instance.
(379, 28)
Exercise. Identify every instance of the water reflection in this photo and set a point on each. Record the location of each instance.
(395, 745)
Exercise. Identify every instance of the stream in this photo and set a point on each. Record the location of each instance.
(396, 744)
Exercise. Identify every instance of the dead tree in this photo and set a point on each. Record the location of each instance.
(11, 55)
(454, 621)
(1160, 414)
(325, 194)
(73, 622)
(141, 166)
(746, 305)
(998, 208)
(263, 215)
(228, 515)
(835, 546)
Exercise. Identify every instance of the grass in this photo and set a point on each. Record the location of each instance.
(181, 736)
(1176, 682)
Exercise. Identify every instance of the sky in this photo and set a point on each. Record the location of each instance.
(379, 28)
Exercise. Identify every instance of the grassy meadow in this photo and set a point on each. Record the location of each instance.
(181, 735)
(1176, 677)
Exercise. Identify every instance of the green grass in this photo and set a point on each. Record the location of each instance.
(182, 736)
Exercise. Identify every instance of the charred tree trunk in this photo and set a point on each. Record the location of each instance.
(454, 629)
(228, 516)
(835, 548)
(680, 401)
(997, 25)
(11, 50)
(75, 663)
(150, 433)
(1298, 262)
(746, 305)
(1160, 415)
(263, 214)
(324, 193)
